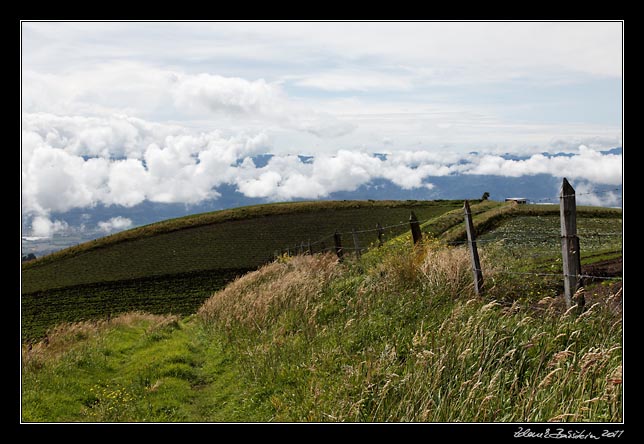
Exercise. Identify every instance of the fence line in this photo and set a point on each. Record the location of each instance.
(549, 199)
(463, 242)
(400, 224)
(378, 229)
(520, 273)
(590, 192)
(569, 238)
(532, 273)
(552, 235)
(539, 238)
(478, 240)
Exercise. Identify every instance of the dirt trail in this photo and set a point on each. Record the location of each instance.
(608, 268)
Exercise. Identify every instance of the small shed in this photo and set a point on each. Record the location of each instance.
(519, 200)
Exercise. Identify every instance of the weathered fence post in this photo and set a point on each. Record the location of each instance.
(570, 254)
(415, 228)
(381, 234)
(302, 251)
(337, 239)
(356, 244)
(474, 254)
(309, 251)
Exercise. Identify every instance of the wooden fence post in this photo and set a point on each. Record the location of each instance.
(337, 239)
(381, 234)
(474, 254)
(415, 228)
(570, 254)
(356, 244)
(309, 251)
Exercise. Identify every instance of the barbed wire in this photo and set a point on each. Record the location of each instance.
(586, 193)
(544, 238)
(369, 230)
(504, 272)
(594, 192)
(558, 275)
(420, 222)
(556, 233)
(400, 224)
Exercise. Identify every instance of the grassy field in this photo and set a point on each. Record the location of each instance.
(539, 236)
(180, 294)
(296, 220)
(137, 367)
(172, 266)
(403, 339)
(489, 215)
(398, 336)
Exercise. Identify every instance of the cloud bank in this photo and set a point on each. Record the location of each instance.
(80, 162)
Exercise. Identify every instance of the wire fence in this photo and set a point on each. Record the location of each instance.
(326, 244)
(310, 246)
(550, 242)
(555, 199)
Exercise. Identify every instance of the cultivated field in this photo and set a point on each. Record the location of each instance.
(173, 266)
(396, 336)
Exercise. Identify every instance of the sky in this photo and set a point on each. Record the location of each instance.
(120, 113)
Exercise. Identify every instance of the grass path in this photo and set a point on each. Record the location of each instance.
(136, 373)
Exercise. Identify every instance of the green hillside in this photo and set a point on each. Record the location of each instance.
(173, 266)
(397, 336)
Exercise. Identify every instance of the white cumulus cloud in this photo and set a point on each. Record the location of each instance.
(42, 226)
(117, 223)
(228, 94)
(61, 170)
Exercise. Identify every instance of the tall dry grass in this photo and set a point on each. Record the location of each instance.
(256, 299)
(63, 337)
(489, 363)
(432, 266)
(401, 336)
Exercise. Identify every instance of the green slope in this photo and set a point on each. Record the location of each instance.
(172, 266)
(138, 367)
(398, 336)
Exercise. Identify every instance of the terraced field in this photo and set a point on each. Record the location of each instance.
(172, 266)
(538, 236)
